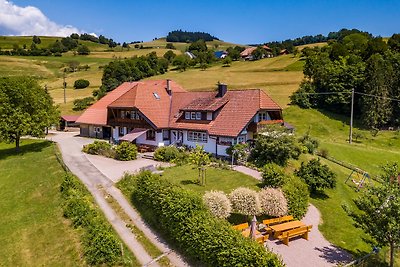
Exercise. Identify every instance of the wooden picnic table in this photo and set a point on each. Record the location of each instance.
(279, 228)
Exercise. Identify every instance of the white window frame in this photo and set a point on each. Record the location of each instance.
(192, 115)
(187, 115)
(200, 137)
(198, 116)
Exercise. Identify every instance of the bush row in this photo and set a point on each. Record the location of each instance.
(101, 246)
(184, 219)
(124, 151)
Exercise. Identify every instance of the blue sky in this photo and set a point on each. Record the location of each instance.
(234, 21)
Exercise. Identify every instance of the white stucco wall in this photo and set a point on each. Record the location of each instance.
(209, 147)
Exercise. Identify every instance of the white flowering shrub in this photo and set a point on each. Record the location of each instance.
(218, 203)
(273, 202)
(245, 201)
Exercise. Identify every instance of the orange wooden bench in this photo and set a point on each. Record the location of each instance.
(301, 231)
(241, 227)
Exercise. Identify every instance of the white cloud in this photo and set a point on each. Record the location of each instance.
(29, 20)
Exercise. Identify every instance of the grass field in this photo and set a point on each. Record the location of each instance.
(216, 179)
(33, 231)
(161, 43)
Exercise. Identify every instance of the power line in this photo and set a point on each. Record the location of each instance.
(376, 96)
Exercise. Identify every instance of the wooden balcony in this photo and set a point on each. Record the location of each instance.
(126, 122)
(256, 127)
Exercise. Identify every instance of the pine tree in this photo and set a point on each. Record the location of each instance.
(376, 110)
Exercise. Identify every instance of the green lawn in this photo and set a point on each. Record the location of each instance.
(33, 231)
(216, 179)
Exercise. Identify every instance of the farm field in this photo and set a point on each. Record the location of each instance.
(33, 231)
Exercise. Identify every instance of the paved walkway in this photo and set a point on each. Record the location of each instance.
(317, 251)
(89, 171)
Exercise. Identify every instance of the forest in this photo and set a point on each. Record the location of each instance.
(354, 61)
(188, 37)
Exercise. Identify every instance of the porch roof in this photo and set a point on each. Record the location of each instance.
(135, 133)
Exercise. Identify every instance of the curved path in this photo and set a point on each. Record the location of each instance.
(90, 174)
(317, 251)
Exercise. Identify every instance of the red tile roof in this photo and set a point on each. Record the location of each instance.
(97, 113)
(70, 118)
(236, 108)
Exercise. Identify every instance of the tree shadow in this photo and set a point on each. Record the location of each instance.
(319, 195)
(24, 148)
(186, 182)
(334, 255)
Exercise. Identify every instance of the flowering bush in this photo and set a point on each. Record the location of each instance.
(218, 203)
(245, 201)
(273, 202)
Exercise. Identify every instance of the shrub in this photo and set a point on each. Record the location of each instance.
(273, 175)
(83, 103)
(309, 142)
(241, 152)
(273, 202)
(126, 151)
(183, 218)
(245, 201)
(166, 153)
(97, 148)
(296, 193)
(274, 145)
(81, 83)
(316, 175)
(218, 203)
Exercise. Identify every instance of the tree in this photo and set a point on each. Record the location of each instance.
(227, 61)
(26, 109)
(273, 176)
(169, 55)
(181, 62)
(36, 40)
(200, 158)
(245, 201)
(394, 42)
(170, 46)
(316, 175)
(275, 145)
(376, 111)
(218, 203)
(378, 211)
(83, 50)
(75, 36)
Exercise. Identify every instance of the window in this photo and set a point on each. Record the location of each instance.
(121, 130)
(165, 134)
(198, 115)
(192, 115)
(134, 115)
(156, 96)
(187, 115)
(263, 116)
(197, 136)
(241, 139)
(123, 114)
(151, 135)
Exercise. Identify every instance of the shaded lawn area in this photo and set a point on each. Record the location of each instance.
(216, 179)
(33, 231)
(336, 225)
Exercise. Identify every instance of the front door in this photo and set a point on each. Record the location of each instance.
(176, 137)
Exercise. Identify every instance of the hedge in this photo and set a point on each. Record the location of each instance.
(184, 219)
(101, 246)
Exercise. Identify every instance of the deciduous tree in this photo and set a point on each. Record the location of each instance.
(26, 109)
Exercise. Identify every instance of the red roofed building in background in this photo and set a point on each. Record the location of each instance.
(157, 113)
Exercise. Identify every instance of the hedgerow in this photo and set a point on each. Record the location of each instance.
(101, 246)
(184, 219)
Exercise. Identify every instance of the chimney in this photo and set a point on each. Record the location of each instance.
(222, 89)
(169, 91)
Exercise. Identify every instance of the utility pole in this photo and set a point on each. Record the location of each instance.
(351, 117)
(65, 86)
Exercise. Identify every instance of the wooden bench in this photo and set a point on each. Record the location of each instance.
(301, 231)
(274, 221)
(261, 239)
(241, 227)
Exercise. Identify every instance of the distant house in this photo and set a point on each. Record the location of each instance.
(161, 112)
(284, 52)
(220, 54)
(190, 54)
(247, 53)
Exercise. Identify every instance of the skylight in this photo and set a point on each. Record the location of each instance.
(156, 96)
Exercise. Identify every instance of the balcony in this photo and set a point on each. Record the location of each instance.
(258, 126)
(128, 123)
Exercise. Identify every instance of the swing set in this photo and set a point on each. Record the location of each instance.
(359, 178)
